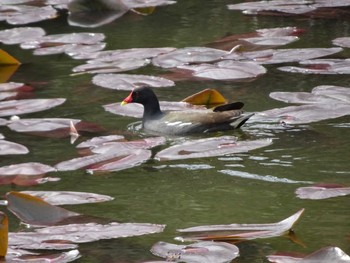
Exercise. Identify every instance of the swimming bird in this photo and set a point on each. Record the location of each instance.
(154, 120)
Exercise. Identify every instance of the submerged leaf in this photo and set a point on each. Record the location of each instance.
(200, 252)
(35, 211)
(209, 147)
(240, 231)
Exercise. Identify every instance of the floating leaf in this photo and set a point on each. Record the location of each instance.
(7, 148)
(303, 114)
(285, 7)
(68, 197)
(275, 56)
(226, 70)
(17, 107)
(83, 233)
(20, 35)
(259, 39)
(342, 42)
(129, 82)
(188, 55)
(206, 97)
(209, 147)
(25, 14)
(35, 211)
(3, 234)
(203, 252)
(73, 132)
(320, 66)
(52, 127)
(62, 257)
(240, 231)
(324, 255)
(136, 110)
(24, 173)
(322, 191)
(94, 67)
(97, 141)
(7, 59)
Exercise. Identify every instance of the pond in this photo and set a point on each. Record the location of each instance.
(250, 187)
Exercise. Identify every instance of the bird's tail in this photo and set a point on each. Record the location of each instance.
(238, 122)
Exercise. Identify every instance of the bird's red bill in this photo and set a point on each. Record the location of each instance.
(128, 99)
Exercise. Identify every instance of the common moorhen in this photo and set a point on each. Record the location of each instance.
(224, 117)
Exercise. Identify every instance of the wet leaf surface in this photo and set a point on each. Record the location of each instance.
(188, 55)
(324, 255)
(129, 82)
(18, 107)
(97, 141)
(68, 197)
(226, 70)
(52, 127)
(276, 56)
(7, 148)
(342, 42)
(260, 39)
(322, 191)
(294, 8)
(240, 231)
(209, 147)
(200, 252)
(19, 35)
(320, 66)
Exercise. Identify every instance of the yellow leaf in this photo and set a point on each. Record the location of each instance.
(7, 59)
(6, 71)
(208, 97)
(3, 234)
(144, 10)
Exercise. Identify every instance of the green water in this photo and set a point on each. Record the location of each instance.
(167, 192)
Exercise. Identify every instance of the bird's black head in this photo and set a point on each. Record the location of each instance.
(143, 95)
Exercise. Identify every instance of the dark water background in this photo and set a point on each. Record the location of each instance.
(193, 192)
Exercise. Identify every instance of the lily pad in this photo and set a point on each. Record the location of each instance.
(226, 70)
(62, 257)
(52, 127)
(7, 148)
(129, 82)
(210, 147)
(17, 107)
(276, 56)
(320, 66)
(84, 233)
(95, 67)
(20, 35)
(187, 56)
(324, 255)
(342, 42)
(97, 141)
(25, 14)
(240, 231)
(203, 252)
(68, 197)
(322, 191)
(72, 50)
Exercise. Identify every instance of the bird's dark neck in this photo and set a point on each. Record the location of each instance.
(152, 110)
